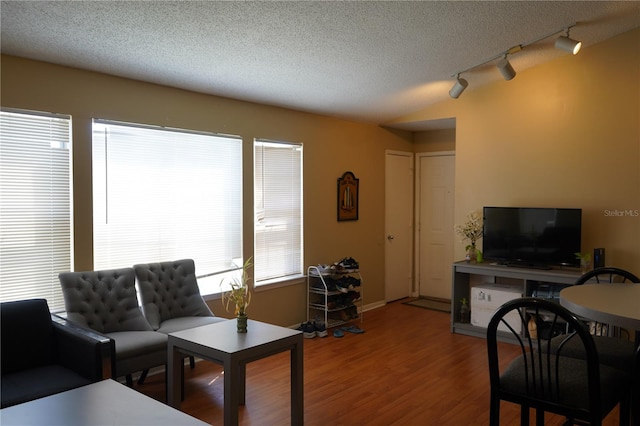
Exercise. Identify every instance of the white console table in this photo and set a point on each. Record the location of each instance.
(467, 275)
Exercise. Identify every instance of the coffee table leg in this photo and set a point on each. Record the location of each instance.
(231, 391)
(174, 376)
(242, 383)
(297, 384)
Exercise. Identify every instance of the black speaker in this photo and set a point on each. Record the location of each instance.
(598, 258)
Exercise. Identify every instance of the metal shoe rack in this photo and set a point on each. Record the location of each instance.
(321, 293)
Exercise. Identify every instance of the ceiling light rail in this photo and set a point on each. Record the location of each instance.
(504, 66)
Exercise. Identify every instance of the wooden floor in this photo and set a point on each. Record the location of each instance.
(406, 369)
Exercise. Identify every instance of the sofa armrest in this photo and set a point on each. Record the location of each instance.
(82, 350)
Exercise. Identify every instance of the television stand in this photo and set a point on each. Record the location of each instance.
(522, 279)
(528, 265)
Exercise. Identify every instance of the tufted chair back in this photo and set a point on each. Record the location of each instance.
(170, 290)
(104, 301)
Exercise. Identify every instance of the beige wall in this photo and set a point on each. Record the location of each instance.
(331, 147)
(563, 134)
(434, 140)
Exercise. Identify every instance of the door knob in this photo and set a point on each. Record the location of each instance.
(389, 237)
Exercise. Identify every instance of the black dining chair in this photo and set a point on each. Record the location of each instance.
(607, 275)
(582, 390)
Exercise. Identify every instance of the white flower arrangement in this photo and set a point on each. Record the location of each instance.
(472, 229)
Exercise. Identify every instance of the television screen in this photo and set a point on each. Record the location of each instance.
(532, 237)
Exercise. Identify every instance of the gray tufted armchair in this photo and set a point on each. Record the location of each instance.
(170, 296)
(106, 302)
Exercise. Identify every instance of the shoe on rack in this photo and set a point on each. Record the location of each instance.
(353, 296)
(349, 264)
(330, 283)
(342, 287)
(353, 312)
(325, 269)
(344, 315)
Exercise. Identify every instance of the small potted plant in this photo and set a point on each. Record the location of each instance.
(240, 295)
(465, 312)
(472, 231)
(585, 261)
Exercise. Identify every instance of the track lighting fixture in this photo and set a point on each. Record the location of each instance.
(458, 87)
(503, 64)
(568, 44)
(506, 69)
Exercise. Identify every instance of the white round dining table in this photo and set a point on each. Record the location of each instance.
(615, 304)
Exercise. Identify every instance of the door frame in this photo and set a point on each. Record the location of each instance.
(416, 213)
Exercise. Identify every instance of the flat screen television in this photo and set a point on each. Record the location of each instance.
(532, 237)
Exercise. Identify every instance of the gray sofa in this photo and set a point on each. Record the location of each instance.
(107, 302)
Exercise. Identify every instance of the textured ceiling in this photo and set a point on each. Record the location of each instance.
(364, 60)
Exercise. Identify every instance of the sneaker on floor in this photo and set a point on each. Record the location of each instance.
(338, 333)
(320, 329)
(308, 330)
(353, 329)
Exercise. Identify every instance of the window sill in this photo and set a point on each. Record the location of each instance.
(265, 285)
(279, 282)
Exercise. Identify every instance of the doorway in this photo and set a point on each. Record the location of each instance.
(398, 252)
(434, 234)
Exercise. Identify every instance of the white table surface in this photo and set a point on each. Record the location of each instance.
(616, 304)
(103, 403)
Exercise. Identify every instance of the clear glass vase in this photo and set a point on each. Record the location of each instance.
(472, 254)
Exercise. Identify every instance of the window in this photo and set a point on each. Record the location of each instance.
(167, 194)
(278, 211)
(35, 205)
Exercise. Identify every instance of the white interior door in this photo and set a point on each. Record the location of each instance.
(435, 224)
(399, 209)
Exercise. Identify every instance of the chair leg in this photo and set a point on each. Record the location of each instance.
(129, 380)
(524, 415)
(143, 376)
(625, 412)
(494, 412)
(539, 417)
(192, 362)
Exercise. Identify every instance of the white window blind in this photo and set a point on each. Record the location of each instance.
(278, 205)
(35, 205)
(166, 194)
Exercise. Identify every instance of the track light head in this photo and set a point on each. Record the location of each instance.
(506, 69)
(458, 87)
(567, 44)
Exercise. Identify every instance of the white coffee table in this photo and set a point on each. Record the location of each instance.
(221, 343)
